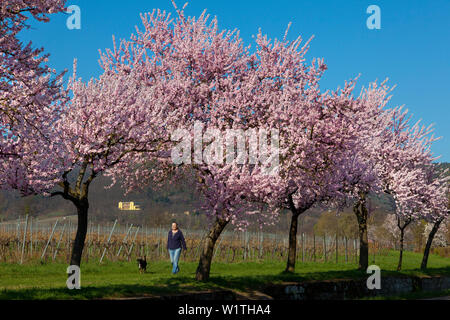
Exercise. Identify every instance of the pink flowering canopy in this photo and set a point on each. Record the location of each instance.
(28, 87)
(99, 127)
(30, 92)
(407, 172)
(196, 74)
(199, 73)
(394, 156)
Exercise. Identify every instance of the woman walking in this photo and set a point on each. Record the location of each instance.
(175, 241)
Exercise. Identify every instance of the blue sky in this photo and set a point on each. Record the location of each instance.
(412, 48)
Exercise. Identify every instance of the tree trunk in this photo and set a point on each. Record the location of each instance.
(426, 253)
(292, 252)
(78, 245)
(204, 264)
(361, 213)
(402, 235)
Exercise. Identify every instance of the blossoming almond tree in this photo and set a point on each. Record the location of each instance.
(406, 173)
(102, 125)
(389, 158)
(360, 168)
(409, 199)
(318, 132)
(439, 203)
(196, 74)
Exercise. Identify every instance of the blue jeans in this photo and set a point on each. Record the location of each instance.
(174, 257)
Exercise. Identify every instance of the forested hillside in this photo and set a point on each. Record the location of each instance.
(159, 206)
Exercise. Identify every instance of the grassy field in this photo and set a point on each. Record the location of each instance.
(122, 279)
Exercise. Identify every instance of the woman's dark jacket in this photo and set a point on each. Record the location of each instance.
(176, 240)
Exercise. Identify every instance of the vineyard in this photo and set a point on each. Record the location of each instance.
(32, 239)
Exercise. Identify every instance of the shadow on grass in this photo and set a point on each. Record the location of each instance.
(187, 284)
(169, 286)
(246, 283)
(258, 282)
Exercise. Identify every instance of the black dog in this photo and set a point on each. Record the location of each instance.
(142, 264)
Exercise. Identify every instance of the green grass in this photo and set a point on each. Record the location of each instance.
(122, 279)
